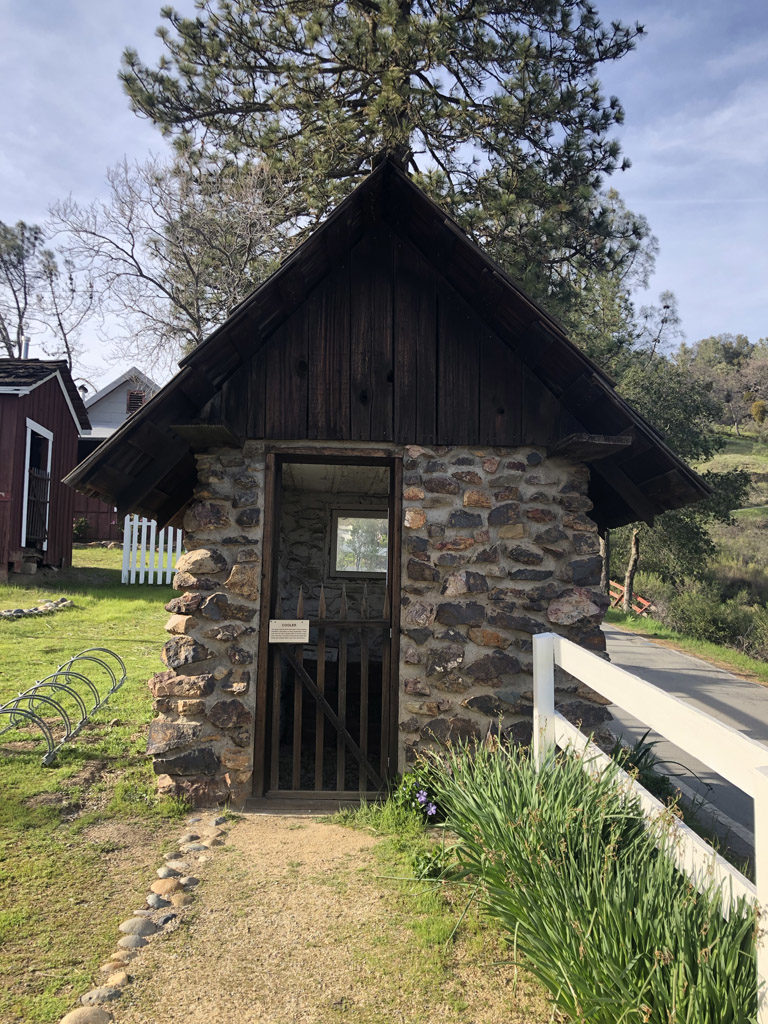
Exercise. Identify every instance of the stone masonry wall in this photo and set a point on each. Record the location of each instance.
(202, 737)
(497, 546)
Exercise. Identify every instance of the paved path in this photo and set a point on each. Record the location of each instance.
(735, 701)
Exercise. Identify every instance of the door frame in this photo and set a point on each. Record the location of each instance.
(275, 456)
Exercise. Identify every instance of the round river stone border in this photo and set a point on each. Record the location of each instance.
(170, 893)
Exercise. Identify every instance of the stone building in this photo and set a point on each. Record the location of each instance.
(392, 468)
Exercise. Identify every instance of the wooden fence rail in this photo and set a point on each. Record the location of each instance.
(734, 756)
(149, 554)
(639, 604)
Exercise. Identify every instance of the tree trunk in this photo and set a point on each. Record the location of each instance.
(605, 554)
(629, 579)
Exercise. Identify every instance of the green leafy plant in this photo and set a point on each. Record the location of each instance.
(572, 873)
(81, 529)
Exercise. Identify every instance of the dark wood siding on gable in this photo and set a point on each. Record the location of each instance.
(385, 349)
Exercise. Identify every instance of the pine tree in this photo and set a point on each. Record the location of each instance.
(494, 107)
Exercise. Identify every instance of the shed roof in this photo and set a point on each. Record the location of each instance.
(148, 465)
(20, 376)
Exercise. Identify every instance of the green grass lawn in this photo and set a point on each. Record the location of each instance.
(79, 840)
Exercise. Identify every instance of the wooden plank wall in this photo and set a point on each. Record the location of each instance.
(384, 349)
(104, 523)
(45, 405)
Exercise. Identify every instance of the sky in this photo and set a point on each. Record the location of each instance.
(695, 94)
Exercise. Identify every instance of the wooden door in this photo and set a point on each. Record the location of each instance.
(327, 709)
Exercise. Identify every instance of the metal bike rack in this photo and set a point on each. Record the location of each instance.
(42, 705)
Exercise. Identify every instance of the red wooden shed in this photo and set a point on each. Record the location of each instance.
(41, 415)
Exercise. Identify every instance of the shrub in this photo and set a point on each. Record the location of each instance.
(700, 612)
(606, 922)
(80, 529)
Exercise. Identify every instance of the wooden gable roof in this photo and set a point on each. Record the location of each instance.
(389, 324)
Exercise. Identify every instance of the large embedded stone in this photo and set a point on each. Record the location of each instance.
(530, 574)
(218, 606)
(450, 730)
(417, 688)
(183, 650)
(237, 759)
(468, 476)
(525, 555)
(513, 531)
(185, 604)
(460, 519)
(230, 631)
(418, 570)
(487, 556)
(169, 684)
(239, 655)
(504, 514)
(441, 485)
(205, 515)
(454, 585)
(585, 571)
(164, 735)
(540, 515)
(420, 614)
(470, 614)
(415, 518)
(228, 714)
(201, 560)
(180, 624)
(522, 623)
(575, 606)
(488, 638)
(186, 581)
(493, 666)
(441, 660)
(430, 708)
(411, 656)
(507, 494)
(455, 543)
(493, 704)
(237, 681)
(585, 543)
(578, 522)
(551, 535)
(248, 517)
(250, 554)
(413, 494)
(476, 499)
(583, 714)
(200, 761)
(418, 546)
(244, 579)
(491, 464)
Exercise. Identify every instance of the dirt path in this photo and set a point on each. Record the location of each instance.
(291, 924)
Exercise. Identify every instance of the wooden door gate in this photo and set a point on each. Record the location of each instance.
(327, 708)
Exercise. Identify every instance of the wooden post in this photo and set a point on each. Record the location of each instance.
(760, 795)
(543, 696)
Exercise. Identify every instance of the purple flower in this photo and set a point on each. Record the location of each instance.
(421, 796)
(431, 809)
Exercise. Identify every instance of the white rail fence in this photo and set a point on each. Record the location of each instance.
(734, 756)
(149, 554)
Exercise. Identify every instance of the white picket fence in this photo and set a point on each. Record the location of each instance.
(149, 554)
(734, 756)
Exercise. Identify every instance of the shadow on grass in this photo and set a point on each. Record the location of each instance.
(89, 581)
